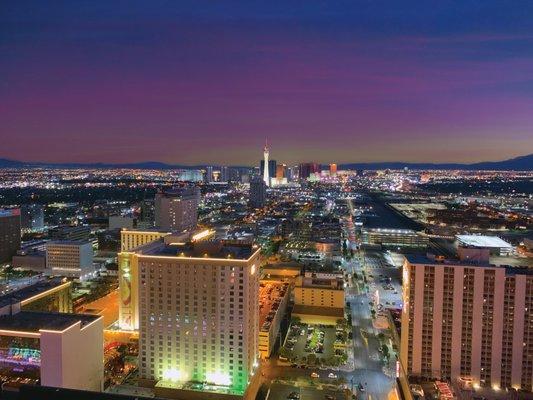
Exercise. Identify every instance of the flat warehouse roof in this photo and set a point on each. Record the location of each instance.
(29, 321)
(31, 291)
(483, 241)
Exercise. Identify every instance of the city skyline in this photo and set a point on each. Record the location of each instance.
(249, 200)
(204, 83)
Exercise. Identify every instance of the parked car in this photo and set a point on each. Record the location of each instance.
(293, 395)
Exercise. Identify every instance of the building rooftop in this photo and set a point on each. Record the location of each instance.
(30, 291)
(271, 293)
(390, 231)
(316, 310)
(509, 270)
(69, 242)
(144, 230)
(203, 249)
(33, 322)
(323, 280)
(483, 241)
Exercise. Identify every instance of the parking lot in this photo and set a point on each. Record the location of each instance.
(305, 340)
(279, 391)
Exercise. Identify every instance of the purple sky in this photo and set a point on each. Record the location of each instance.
(206, 82)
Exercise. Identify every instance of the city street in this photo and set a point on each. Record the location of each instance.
(106, 306)
(368, 366)
(383, 277)
(369, 369)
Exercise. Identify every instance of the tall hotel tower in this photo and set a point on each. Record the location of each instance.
(471, 321)
(177, 209)
(266, 175)
(198, 317)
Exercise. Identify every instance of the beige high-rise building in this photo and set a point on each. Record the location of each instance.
(468, 321)
(128, 267)
(177, 209)
(198, 314)
(132, 238)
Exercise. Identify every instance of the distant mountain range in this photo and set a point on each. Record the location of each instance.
(524, 163)
(5, 163)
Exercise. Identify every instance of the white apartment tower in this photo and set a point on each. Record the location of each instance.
(198, 318)
(472, 321)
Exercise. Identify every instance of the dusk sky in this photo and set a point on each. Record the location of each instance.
(206, 82)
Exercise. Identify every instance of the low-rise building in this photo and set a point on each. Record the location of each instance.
(319, 298)
(393, 238)
(132, 238)
(120, 222)
(493, 244)
(48, 294)
(57, 349)
(69, 258)
(30, 260)
(71, 233)
(282, 271)
(273, 300)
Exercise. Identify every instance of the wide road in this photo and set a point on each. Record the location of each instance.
(106, 306)
(368, 366)
(369, 371)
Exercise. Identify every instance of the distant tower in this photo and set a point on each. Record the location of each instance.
(266, 176)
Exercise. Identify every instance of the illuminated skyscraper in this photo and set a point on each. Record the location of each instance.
(257, 193)
(224, 174)
(470, 320)
(209, 174)
(199, 315)
(266, 172)
(9, 233)
(281, 171)
(307, 169)
(177, 209)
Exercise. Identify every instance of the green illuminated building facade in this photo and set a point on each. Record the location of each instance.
(198, 315)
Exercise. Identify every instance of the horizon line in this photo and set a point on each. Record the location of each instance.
(202, 164)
